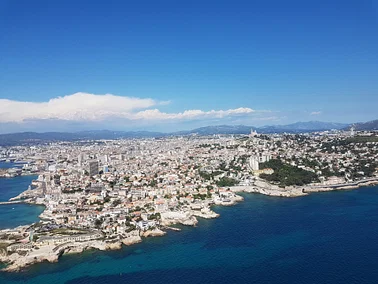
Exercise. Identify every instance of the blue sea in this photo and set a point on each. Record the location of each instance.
(13, 215)
(327, 237)
(8, 165)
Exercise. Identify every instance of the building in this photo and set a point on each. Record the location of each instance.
(80, 159)
(106, 159)
(352, 133)
(93, 168)
(105, 168)
(254, 163)
(264, 157)
(20, 247)
(55, 240)
(258, 158)
(253, 133)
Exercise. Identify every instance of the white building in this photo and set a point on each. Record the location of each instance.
(254, 163)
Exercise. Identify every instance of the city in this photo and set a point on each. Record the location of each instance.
(202, 141)
(107, 193)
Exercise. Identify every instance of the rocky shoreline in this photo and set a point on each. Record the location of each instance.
(16, 261)
(266, 188)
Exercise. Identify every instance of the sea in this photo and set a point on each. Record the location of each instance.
(13, 215)
(329, 237)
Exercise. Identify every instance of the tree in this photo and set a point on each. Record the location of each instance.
(225, 181)
(286, 175)
(98, 223)
(116, 202)
(223, 166)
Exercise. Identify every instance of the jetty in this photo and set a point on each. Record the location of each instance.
(11, 202)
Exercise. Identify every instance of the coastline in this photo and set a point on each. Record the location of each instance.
(13, 169)
(20, 175)
(266, 188)
(16, 262)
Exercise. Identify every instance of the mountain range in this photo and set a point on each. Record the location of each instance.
(298, 127)
(370, 125)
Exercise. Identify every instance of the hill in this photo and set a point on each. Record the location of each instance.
(370, 125)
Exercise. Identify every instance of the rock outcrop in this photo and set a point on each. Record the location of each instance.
(153, 233)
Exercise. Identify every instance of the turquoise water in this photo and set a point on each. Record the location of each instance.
(13, 215)
(323, 238)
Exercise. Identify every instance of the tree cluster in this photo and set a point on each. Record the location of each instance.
(286, 175)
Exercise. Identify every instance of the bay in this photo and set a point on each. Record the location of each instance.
(9, 165)
(14, 215)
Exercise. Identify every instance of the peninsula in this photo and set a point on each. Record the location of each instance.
(103, 194)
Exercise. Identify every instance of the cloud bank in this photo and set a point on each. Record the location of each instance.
(96, 108)
(79, 106)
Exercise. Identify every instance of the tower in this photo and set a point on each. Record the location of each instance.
(352, 133)
(254, 163)
(93, 168)
(80, 159)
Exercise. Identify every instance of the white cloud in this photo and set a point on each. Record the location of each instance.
(91, 107)
(315, 113)
(79, 106)
(155, 114)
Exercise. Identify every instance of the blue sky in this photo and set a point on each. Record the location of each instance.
(185, 63)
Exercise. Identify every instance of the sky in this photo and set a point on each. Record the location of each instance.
(166, 65)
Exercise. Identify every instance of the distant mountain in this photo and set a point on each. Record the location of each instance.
(108, 134)
(219, 129)
(309, 126)
(242, 129)
(370, 125)
(26, 138)
(33, 137)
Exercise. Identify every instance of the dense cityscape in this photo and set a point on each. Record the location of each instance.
(108, 193)
(165, 141)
